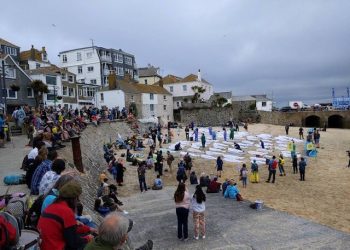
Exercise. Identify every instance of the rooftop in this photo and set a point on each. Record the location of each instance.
(149, 71)
(53, 69)
(6, 43)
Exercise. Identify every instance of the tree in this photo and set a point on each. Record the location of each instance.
(198, 91)
(39, 89)
(219, 101)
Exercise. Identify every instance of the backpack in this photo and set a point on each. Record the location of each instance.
(34, 212)
(274, 164)
(15, 179)
(17, 206)
(9, 231)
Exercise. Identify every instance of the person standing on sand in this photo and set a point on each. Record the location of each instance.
(255, 172)
(198, 207)
(243, 175)
(182, 203)
(287, 128)
(141, 172)
(219, 165)
(301, 133)
(187, 131)
(196, 134)
(295, 164)
(232, 133)
(225, 134)
(169, 160)
(281, 165)
(272, 169)
(203, 140)
(262, 144)
(302, 166)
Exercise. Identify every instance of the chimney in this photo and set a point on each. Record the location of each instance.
(199, 78)
(112, 80)
(43, 54)
(32, 53)
(161, 84)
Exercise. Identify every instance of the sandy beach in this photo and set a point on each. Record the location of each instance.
(322, 198)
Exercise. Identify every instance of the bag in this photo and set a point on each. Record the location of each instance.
(274, 164)
(34, 212)
(15, 179)
(18, 207)
(239, 197)
(9, 231)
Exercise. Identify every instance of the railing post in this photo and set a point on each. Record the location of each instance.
(78, 160)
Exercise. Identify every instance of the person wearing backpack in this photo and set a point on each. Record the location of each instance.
(272, 169)
(281, 165)
(141, 172)
(255, 172)
(169, 160)
(181, 173)
(8, 232)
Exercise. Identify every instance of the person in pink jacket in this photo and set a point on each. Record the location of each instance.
(182, 203)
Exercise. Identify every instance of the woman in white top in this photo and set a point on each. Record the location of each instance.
(182, 203)
(198, 207)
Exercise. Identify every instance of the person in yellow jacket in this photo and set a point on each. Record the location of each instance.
(281, 165)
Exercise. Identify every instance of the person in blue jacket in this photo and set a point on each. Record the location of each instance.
(231, 191)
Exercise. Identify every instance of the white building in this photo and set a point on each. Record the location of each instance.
(92, 65)
(34, 59)
(263, 103)
(181, 88)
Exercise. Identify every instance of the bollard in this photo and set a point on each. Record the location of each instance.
(78, 161)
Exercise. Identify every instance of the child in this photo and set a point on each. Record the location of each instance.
(243, 175)
(198, 207)
(281, 165)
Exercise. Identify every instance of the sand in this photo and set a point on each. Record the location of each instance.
(322, 198)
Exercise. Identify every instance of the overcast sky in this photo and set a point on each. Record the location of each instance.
(293, 50)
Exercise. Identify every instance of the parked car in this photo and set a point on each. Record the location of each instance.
(286, 109)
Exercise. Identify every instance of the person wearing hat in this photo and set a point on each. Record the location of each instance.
(113, 234)
(57, 224)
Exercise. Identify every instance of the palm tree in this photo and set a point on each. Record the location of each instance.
(198, 91)
(39, 88)
(219, 101)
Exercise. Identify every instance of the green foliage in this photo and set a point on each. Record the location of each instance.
(218, 101)
(133, 109)
(197, 95)
(15, 87)
(39, 88)
(252, 106)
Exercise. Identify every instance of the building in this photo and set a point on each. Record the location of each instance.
(149, 75)
(150, 100)
(8, 48)
(17, 81)
(183, 90)
(34, 59)
(263, 103)
(92, 65)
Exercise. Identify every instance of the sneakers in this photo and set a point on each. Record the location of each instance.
(195, 237)
(185, 239)
(203, 237)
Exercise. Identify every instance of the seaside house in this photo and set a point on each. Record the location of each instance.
(149, 75)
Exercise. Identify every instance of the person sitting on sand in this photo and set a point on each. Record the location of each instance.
(225, 185)
(158, 183)
(236, 145)
(193, 178)
(178, 146)
(232, 191)
(204, 180)
(214, 186)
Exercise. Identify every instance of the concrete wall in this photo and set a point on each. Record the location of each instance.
(340, 119)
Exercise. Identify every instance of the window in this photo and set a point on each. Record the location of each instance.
(70, 78)
(88, 92)
(44, 57)
(80, 92)
(64, 58)
(78, 56)
(12, 94)
(64, 91)
(10, 72)
(30, 93)
(151, 107)
(51, 95)
(145, 81)
(71, 92)
(171, 89)
(164, 97)
(63, 76)
(164, 107)
(102, 97)
(80, 69)
(151, 96)
(37, 65)
(11, 51)
(51, 80)
(263, 104)
(128, 60)
(93, 81)
(120, 71)
(177, 104)
(184, 87)
(89, 55)
(120, 58)
(132, 98)
(90, 69)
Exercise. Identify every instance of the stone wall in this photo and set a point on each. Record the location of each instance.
(216, 116)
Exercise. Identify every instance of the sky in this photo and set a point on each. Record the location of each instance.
(289, 50)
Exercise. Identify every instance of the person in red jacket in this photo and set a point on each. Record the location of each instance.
(57, 225)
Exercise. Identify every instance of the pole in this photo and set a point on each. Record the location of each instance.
(54, 94)
(4, 87)
(78, 160)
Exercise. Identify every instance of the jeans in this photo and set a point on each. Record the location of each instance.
(160, 169)
(281, 169)
(295, 169)
(302, 175)
(273, 174)
(142, 182)
(182, 222)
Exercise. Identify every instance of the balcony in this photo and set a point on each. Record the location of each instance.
(106, 58)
